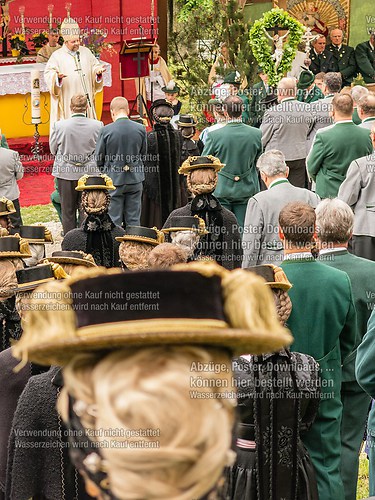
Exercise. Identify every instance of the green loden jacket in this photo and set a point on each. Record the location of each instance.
(333, 149)
(238, 146)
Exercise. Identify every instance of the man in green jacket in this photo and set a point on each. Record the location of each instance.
(307, 90)
(233, 79)
(323, 324)
(335, 220)
(365, 57)
(335, 147)
(344, 56)
(238, 146)
(365, 373)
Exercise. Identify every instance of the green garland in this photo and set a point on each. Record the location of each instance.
(262, 49)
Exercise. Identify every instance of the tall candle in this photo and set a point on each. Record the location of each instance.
(22, 12)
(50, 10)
(35, 97)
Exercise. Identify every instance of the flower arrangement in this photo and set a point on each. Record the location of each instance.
(39, 39)
(94, 39)
(17, 41)
(263, 51)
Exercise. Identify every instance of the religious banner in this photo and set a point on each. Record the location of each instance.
(321, 15)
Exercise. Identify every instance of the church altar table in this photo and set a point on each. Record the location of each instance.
(15, 106)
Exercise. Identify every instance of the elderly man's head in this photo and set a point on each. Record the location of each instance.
(320, 44)
(119, 107)
(78, 103)
(334, 223)
(271, 166)
(286, 88)
(357, 92)
(332, 83)
(343, 107)
(366, 106)
(336, 36)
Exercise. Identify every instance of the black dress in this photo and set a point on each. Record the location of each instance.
(278, 398)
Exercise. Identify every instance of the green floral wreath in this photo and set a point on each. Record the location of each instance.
(263, 51)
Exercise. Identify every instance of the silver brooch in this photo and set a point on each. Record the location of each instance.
(92, 463)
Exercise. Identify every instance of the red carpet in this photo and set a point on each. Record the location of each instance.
(37, 182)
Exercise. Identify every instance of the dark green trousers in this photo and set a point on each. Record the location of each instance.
(356, 404)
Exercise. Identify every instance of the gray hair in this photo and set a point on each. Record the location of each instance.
(187, 240)
(333, 82)
(272, 163)
(357, 92)
(334, 221)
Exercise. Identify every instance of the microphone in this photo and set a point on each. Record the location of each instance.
(78, 56)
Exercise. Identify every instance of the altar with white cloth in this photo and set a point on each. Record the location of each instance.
(15, 105)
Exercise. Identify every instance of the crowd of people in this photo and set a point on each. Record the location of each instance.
(206, 330)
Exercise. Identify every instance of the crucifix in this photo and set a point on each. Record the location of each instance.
(278, 41)
(5, 20)
(308, 37)
(139, 58)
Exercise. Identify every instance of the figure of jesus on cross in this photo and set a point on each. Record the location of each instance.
(279, 50)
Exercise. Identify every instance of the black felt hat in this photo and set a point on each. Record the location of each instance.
(274, 276)
(31, 277)
(269, 100)
(142, 234)
(194, 162)
(186, 223)
(188, 305)
(186, 121)
(95, 182)
(14, 246)
(37, 235)
(160, 102)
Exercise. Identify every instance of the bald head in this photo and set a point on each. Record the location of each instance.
(119, 107)
(366, 106)
(287, 87)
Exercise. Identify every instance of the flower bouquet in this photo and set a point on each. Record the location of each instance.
(94, 39)
(18, 44)
(39, 39)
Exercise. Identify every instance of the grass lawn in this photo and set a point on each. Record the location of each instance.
(362, 489)
(39, 213)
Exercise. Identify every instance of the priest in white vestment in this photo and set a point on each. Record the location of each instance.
(72, 70)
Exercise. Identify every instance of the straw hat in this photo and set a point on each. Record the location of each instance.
(94, 183)
(6, 206)
(75, 257)
(199, 303)
(142, 234)
(194, 162)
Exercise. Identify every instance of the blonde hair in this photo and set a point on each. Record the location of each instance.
(202, 180)
(150, 389)
(166, 255)
(8, 279)
(135, 255)
(95, 201)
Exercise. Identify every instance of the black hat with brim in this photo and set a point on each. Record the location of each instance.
(142, 234)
